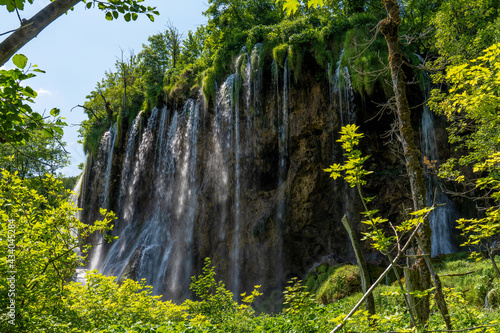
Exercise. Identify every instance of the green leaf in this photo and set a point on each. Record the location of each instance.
(290, 6)
(20, 4)
(109, 16)
(115, 14)
(55, 112)
(151, 17)
(127, 17)
(315, 3)
(47, 133)
(20, 60)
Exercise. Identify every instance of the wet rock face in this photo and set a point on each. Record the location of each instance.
(241, 182)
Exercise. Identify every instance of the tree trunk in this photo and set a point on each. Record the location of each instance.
(390, 29)
(32, 27)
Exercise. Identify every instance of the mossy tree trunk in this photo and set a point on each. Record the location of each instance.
(390, 29)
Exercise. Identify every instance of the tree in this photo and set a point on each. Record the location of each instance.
(390, 29)
(38, 247)
(39, 155)
(192, 47)
(119, 94)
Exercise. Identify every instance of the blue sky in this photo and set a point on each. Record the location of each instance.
(77, 48)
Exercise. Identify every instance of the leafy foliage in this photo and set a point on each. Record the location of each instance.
(102, 303)
(17, 118)
(38, 244)
(39, 155)
(130, 9)
(471, 104)
(463, 31)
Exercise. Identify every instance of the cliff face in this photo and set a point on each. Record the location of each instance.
(239, 181)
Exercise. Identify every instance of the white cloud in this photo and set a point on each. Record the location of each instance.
(42, 91)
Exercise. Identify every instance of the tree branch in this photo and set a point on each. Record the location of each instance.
(37, 23)
(91, 111)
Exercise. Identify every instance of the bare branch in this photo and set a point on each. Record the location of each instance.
(91, 111)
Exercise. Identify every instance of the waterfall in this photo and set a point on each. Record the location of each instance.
(283, 128)
(442, 218)
(228, 102)
(275, 119)
(256, 79)
(80, 272)
(185, 148)
(110, 145)
(236, 243)
(343, 89)
(220, 182)
(121, 251)
(129, 156)
(283, 132)
(107, 144)
(218, 165)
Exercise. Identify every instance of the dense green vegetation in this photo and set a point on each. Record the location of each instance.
(171, 68)
(462, 49)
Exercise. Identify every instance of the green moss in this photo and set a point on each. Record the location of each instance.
(368, 64)
(93, 139)
(344, 282)
(296, 59)
(119, 131)
(208, 84)
(280, 53)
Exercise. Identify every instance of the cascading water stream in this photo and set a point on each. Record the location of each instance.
(283, 129)
(185, 151)
(236, 243)
(109, 163)
(219, 157)
(256, 80)
(121, 251)
(129, 159)
(154, 244)
(229, 110)
(80, 273)
(107, 147)
(343, 89)
(443, 217)
(274, 69)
